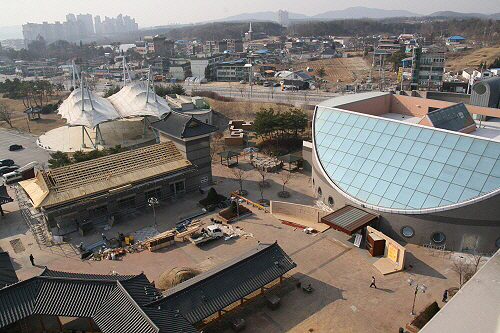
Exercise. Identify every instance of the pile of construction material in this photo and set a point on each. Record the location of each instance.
(268, 164)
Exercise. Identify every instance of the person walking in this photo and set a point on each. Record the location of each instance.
(32, 259)
(445, 295)
(373, 283)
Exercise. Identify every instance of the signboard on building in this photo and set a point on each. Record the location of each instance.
(392, 253)
(400, 74)
(357, 240)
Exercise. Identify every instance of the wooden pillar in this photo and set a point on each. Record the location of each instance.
(281, 279)
(41, 322)
(262, 290)
(220, 313)
(59, 323)
(241, 301)
(91, 327)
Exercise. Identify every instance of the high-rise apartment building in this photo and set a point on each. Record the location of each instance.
(282, 17)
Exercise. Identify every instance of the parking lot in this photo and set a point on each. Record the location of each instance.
(340, 273)
(30, 152)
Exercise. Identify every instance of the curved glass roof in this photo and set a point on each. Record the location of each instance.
(397, 165)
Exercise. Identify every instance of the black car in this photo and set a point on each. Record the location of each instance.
(7, 169)
(15, 147)
(6, 162)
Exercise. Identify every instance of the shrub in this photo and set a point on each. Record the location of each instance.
(426, 315)
(212, 195)
(233, 208)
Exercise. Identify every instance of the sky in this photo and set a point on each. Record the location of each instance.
(148, 13)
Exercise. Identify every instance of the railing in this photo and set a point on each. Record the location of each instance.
(249, 202)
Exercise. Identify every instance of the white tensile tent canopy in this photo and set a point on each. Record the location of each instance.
(84, 108)
(137, 100)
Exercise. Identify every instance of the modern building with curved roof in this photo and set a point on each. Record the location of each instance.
(410, 161)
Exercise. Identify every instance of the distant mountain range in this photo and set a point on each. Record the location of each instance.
(350, 13)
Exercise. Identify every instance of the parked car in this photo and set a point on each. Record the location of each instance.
(277, 84)
(267, 84)
(7, 169)
(108, 84)
(6, 162)
(243, 81)
(15, 147)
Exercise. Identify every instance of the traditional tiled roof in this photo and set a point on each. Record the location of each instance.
(182, 126)
(4, 196)
(131, 304)
(7, 273)
(205, 294)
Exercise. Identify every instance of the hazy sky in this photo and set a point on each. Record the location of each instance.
(157, 12)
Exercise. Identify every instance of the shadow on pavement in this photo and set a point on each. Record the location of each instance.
(421, 268)
(296, 305)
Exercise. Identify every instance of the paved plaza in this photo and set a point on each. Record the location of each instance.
(340, 273)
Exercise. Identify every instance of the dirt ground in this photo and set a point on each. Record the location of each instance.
(472, 58)
(20, 121)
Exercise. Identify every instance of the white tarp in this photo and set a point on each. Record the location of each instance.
(95, 110)
(138, 99)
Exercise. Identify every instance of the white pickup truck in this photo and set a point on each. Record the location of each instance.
(207, 234)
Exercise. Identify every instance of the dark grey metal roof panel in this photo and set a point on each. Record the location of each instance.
(7, 272)
(71, 298)
(205, 294)
(182, 126)
(17, 301)
(348, 217)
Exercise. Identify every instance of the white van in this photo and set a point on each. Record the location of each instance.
(12, 177)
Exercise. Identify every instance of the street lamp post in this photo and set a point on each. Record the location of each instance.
(422, 287)
(152, 202)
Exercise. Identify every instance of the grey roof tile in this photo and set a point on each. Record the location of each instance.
(182, 126)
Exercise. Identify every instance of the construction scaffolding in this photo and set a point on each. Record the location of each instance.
(33, 219)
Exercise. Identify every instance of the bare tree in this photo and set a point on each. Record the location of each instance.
(241, 90)
(263, 173)
(240, 176)
(476, 258)
(286, 176)
(461, 267)
(215, 143)
(6, 114)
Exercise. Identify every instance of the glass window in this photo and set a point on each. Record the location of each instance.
(413, 133)
(442, 154)
(407, 231)
(320, 193)
(497, 243)
(485, 165)
(438, 237)
(450, 141)
(330, 201)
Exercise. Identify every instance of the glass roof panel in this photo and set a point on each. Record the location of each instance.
(369, 159)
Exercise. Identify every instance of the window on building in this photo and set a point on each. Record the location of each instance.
(127, 202)
(320, 193)
(498, 242)
(156, 193)
(407, 231)
(438, 237)
(330, 201)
